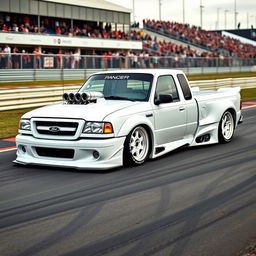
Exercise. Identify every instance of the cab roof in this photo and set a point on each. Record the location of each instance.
(143, 71)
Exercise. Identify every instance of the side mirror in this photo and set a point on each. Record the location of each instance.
(164, 98)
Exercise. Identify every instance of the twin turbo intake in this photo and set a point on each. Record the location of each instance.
(81, 98)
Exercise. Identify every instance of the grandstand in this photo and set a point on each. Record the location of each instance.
(77, 26)
(57, 34)
(216, 43)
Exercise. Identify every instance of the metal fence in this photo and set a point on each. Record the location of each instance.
(76, 61)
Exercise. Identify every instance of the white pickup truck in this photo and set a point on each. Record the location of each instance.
(125, 117)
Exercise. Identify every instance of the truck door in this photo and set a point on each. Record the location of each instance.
(170, 118)
(191, 107)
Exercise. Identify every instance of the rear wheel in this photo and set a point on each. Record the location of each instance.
(136, 146)
(226, 127)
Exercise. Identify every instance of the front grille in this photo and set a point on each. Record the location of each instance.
(55, 152)
(56, 128)
(63, 133)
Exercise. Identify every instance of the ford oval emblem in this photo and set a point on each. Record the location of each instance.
(54, 129)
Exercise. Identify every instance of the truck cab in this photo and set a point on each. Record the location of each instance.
(125, 117)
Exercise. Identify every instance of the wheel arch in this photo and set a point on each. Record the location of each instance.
(151, 138)
(211, 112)
(133, 122)
(221, 137)
(233, 113)
(131, 156)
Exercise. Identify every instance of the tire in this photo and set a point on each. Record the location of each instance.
(226, 127)
(136, 147)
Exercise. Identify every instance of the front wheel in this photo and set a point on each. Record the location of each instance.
(226, 127)
(136, 146)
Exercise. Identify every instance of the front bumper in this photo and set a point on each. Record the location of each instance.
(110, 152)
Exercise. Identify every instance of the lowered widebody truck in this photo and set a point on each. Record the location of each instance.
(124, 118)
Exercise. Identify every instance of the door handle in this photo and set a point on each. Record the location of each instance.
(181, 109)
(149, 115)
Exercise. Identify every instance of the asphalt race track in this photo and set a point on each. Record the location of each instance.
(192, 202)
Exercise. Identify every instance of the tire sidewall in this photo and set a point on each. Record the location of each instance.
(128, 158)
(222, 139)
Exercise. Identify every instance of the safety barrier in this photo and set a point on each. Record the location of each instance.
(22, 75)
(27, 75)
(243, 82)
(28, 98)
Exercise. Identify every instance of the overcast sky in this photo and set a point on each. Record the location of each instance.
(172, 10)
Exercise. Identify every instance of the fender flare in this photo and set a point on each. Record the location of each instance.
(134, 121)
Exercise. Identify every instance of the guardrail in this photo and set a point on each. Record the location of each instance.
(243, 82)
(25, 75)
(28, 98)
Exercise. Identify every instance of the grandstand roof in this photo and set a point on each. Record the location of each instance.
(99, 4)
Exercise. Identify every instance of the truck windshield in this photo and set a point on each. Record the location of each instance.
(122, 86)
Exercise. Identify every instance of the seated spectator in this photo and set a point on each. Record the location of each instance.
(15, 28)
(58, 31)
(216, 43)
(210, 40)
(5, 28)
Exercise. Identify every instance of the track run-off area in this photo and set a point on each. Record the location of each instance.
(197, 201)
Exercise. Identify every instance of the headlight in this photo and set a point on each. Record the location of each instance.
(25, 125)
(98, 127)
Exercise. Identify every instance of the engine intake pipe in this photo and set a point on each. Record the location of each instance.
(66, 98)
(93, 95)
(78, 98)
(81, 98)
(71, 98)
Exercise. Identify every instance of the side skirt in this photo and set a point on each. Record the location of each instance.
(160, 150)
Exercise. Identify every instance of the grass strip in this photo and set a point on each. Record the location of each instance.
(9, 121)
(248, 94)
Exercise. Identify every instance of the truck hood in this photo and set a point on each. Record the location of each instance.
(92, 112)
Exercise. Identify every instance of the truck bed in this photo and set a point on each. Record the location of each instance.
(210, 95)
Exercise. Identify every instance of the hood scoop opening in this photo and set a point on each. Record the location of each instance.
(82, 98)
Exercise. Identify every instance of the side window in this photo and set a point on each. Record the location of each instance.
(166, 85)
(184, 87)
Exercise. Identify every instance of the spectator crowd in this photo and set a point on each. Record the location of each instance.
(215, 45)
(29, 24)
(164, 48)
(210, 40)
(18, 58)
